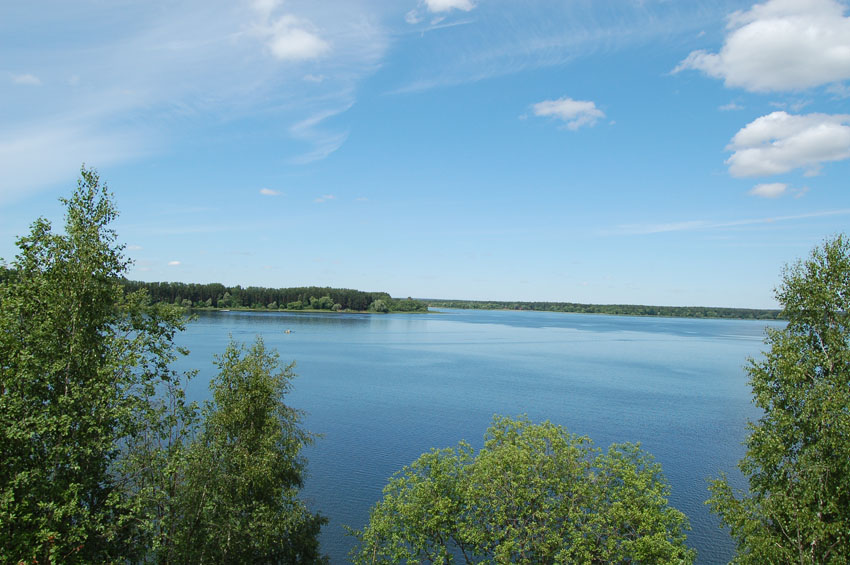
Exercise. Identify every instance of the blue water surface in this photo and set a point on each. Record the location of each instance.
(382, 389)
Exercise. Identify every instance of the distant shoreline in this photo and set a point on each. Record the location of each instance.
(631, 310)
(217, 297)
(303, 311)
(638, 310)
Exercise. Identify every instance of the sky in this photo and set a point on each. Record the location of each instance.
(667, 152)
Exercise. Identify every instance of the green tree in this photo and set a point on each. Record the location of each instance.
(379, 306)
(240, 501)
(80, 364)
(797, 509)
(533, 494)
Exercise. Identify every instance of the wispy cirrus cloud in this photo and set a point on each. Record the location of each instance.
(269, 192)
(780, 45)
(512, 37)
(140, 79)
(50, 153)
(324, 140)
(705, 225)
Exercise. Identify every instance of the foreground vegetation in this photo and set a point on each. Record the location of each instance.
(614, 309)
(104, 461)
(533, 494)
(797, 507)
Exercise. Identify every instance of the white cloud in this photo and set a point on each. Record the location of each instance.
(289, 39)
(134, 248)
(730, 107)
(53, 153)
(839, 91)
(780, 142)
(769, 190)
(576, 113)
(780, 45)
(324, 198)
(115, 92)
(646, 229)
(26, 80)
(412, 17)
(269, 192)
(173, 263)
(266, 7)
(324, 142)
(439, 7)
(448, 5)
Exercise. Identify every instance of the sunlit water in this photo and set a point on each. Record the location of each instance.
(382, 389)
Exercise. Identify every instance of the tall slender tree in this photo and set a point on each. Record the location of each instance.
(797, 509)
(79, 365)
(240, 502)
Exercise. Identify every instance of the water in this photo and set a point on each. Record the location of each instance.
(384, 389)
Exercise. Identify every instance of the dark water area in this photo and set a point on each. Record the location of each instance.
(382, 389)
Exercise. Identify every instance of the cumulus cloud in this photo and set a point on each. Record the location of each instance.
(269, 192)
(173, 263)
(780, 142)
(730, 107)
(291, 39)
(576, 113)
(780, 45)
(26, 80)
(324, 198)
(448, 5)
(769, 190)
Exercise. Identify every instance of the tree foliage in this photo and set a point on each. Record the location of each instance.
(80, 362)
(533, 494)
(613, 309)
(103, 460)
(296, 298)
(240, 502)
(797, 509)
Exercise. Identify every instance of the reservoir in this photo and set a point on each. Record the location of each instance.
(383, 389)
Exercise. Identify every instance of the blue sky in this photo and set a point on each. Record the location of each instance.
(659, 151)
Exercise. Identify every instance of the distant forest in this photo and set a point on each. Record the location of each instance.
(216, 295)
(616, 309)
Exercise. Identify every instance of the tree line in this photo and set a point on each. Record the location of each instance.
(104, 460)
(216, 295)
(614, 309)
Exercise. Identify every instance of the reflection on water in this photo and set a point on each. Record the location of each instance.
(382, 389)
